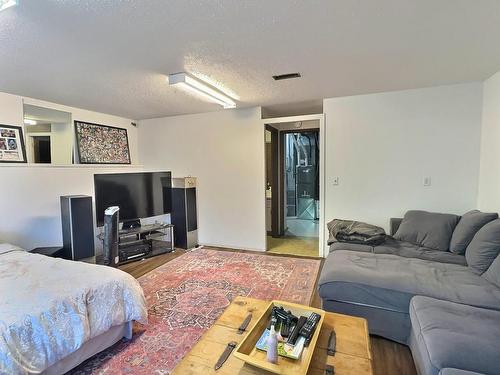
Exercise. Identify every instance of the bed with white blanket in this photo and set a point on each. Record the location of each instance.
(56, 313)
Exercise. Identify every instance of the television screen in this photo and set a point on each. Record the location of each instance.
(139, 195)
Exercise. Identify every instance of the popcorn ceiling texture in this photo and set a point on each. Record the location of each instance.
(113, 56)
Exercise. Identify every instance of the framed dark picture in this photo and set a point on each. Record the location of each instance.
(12, 148)
(101, 144)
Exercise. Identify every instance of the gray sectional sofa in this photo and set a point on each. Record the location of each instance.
(433, 285)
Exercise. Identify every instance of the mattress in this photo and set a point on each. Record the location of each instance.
(50, 307)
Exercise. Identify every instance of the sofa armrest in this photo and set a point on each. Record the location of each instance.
(395, 223)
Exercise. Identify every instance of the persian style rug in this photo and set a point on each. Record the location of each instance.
(186, 296)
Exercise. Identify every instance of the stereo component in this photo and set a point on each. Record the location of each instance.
(134, 251)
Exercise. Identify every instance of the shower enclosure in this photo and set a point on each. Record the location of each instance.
(301, 169)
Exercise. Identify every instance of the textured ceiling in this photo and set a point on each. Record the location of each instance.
(112, 55)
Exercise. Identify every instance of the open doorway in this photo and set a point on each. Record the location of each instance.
(293, 174)
(41, 149)
(301, 183)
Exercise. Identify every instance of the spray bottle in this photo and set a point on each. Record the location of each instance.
(272, 344)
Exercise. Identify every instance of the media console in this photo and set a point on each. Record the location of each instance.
(143, 242)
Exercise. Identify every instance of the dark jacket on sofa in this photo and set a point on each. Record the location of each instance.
(355, 232)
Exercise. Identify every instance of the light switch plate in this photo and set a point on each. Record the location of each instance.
(336, 180)
(427, 181)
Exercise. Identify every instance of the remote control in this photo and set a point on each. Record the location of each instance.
(285, 330)
(308, 328)
(295, 333)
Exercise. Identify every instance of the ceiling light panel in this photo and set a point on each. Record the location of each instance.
(4, 4)
(200, 88)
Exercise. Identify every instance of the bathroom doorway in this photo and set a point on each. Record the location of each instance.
(293, 187)
(301, 182)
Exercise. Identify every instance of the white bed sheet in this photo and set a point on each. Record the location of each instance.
(50, 307)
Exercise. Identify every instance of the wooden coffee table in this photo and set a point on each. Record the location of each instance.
(352, 356)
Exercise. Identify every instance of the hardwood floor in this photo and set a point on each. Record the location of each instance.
(389, 357)
(142, 267)
(299, 246)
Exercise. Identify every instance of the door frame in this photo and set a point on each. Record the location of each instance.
(323, 250)
(275, 178)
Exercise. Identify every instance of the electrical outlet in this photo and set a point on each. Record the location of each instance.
(427, 181)
(336, 180)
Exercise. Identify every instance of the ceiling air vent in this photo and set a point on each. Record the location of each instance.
(286, 76)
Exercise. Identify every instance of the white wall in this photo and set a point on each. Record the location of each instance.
(225, 151)
(11, 109)
(61, 138)
(489, 180)
(382, 145)
(30, 210)
(309, 124)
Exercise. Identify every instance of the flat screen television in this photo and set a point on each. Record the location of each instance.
(139, 195)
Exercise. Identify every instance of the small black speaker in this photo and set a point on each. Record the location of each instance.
(77, 227)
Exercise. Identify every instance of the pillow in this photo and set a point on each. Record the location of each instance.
(492, 274)
(484, 247)
(467, 227)
(427, 229)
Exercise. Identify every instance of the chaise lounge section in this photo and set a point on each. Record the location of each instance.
(441, 257)
(451, 335)
(379, 287)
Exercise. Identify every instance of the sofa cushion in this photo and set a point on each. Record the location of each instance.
(392, 325)
(351, 246)
(403, 249)
(467, 227)
(451, 335)
(389, 281)
(484, 247)
(409, 250)
(428, 229)
(492, 274)
(455, 371)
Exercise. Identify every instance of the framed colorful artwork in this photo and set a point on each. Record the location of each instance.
(12, 149)
(101, 144)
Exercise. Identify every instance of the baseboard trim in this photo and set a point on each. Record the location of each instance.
(233, 249)
(229, 247)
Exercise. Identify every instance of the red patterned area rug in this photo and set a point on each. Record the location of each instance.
(186, 295)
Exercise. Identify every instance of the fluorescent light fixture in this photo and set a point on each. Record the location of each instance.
(201, 88)
(4, 4)
(27, 121)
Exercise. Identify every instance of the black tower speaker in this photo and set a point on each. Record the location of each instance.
(184, 215)
(77, 227)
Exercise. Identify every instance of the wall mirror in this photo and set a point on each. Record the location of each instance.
(49, 136)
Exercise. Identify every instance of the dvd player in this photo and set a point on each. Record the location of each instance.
(134, 251)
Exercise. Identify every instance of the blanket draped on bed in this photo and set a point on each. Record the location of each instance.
(355, 232)
(50, 307)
